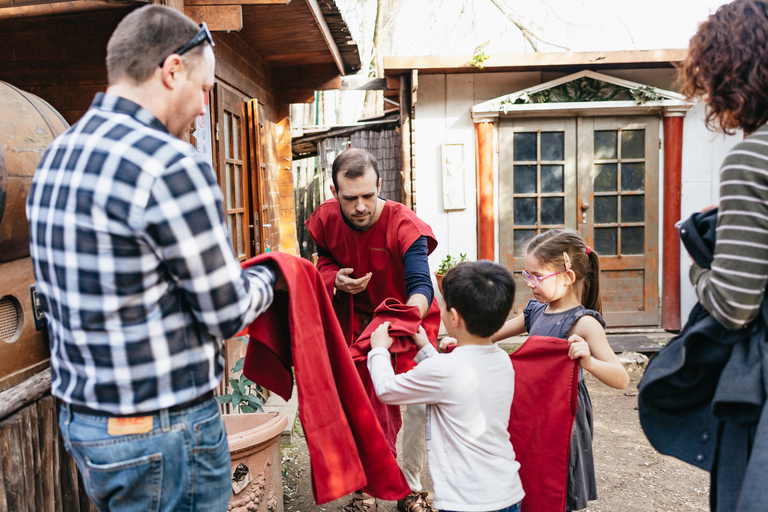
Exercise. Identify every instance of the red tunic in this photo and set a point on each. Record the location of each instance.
(541, 419)
(348, 450)
(379, 250)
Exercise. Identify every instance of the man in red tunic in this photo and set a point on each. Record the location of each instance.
(371, 249)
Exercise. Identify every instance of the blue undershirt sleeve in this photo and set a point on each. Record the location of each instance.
(417, 279)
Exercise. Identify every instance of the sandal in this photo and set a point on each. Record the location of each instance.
(361, 503)
(415, 502)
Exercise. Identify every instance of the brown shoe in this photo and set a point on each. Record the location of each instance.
(415, 502)
(361, 503)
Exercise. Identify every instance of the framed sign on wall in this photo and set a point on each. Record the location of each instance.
(452, 161)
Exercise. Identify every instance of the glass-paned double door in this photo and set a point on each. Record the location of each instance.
(598, 176)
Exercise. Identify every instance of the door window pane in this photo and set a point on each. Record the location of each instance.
(228, 184)
(525, 211)
(227, 147)
(235, 140)
(605, 178)
(552, 146)
(552, 211)
(633, 176)
(231, 227)
(605, 241)
(632, 209)
(633, 240)
(524, 147)
(525, 179)
(605, 145)
(633, 144)
(605, 209)
(240, 250)
(551, 178)
(521, 237)
(238, 170)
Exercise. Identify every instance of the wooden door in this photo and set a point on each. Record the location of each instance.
(599, 176)
(232, 172)
(257, 169)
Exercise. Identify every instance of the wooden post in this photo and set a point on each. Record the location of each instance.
(405, 139)
(673, 162)
(485, 207)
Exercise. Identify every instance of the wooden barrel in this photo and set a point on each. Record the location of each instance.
(28, 125)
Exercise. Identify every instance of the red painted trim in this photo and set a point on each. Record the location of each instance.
(485, 209)
(673, 163)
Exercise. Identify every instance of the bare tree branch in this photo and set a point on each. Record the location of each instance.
(518, 22)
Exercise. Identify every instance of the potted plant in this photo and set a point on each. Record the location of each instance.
(447, 264)
(254, 445)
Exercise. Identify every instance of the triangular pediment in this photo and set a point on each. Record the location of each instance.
(579, 89)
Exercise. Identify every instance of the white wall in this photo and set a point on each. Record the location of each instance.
(703, 152)
(443, 116)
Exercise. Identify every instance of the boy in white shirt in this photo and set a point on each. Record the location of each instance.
(468, 393)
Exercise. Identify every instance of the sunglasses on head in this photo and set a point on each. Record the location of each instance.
(202, 36)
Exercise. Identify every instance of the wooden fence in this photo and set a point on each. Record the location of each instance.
(37, 473)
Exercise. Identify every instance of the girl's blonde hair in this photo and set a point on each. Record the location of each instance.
(551, 246)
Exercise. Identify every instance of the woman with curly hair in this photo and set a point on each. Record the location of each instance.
(727, 67)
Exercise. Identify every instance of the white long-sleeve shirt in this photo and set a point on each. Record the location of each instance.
(468, 395)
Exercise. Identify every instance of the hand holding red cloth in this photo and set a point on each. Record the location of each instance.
(541, 420)
(405, 321)
(346, 444)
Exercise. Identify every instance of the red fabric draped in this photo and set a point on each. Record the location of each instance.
(541, 420)
(405, 321)
(346, 444)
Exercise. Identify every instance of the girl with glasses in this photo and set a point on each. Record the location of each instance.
(564, 275)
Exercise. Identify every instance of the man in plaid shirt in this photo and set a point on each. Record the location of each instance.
(138, 279)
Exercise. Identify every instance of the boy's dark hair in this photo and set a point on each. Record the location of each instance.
(482, 292)
(353, 163)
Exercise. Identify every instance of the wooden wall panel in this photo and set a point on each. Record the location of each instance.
(59, 58)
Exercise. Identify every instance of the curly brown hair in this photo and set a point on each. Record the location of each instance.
(727, 65)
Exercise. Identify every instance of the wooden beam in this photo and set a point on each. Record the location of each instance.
(536, 61)
(363, 83)
(24, 11)
(222, 18)
(237, 2)
(323, 26)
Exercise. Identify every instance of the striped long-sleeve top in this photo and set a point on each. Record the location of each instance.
(733, 290)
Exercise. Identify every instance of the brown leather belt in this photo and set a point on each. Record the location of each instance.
(176, 408)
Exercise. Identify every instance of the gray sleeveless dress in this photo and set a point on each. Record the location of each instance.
(582, 485)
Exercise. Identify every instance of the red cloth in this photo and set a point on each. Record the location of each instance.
(346, 445)
(541, 420)
(405, 322)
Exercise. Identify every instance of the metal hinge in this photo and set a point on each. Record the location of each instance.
(217, 131)
(37, 310)
(659, 143)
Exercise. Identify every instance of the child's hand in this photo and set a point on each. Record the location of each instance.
(579, 349)
(380, 337)
(420, 338)
(447, 342)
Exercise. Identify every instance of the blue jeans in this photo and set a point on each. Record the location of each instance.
(182, 464)
(511, 508)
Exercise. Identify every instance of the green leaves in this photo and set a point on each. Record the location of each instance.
(246, 394)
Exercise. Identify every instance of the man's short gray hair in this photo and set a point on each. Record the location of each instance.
(144, 38)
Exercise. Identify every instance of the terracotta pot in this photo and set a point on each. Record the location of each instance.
(439, 278)
(254, 446)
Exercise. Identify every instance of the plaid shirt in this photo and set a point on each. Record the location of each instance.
(134, 266)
